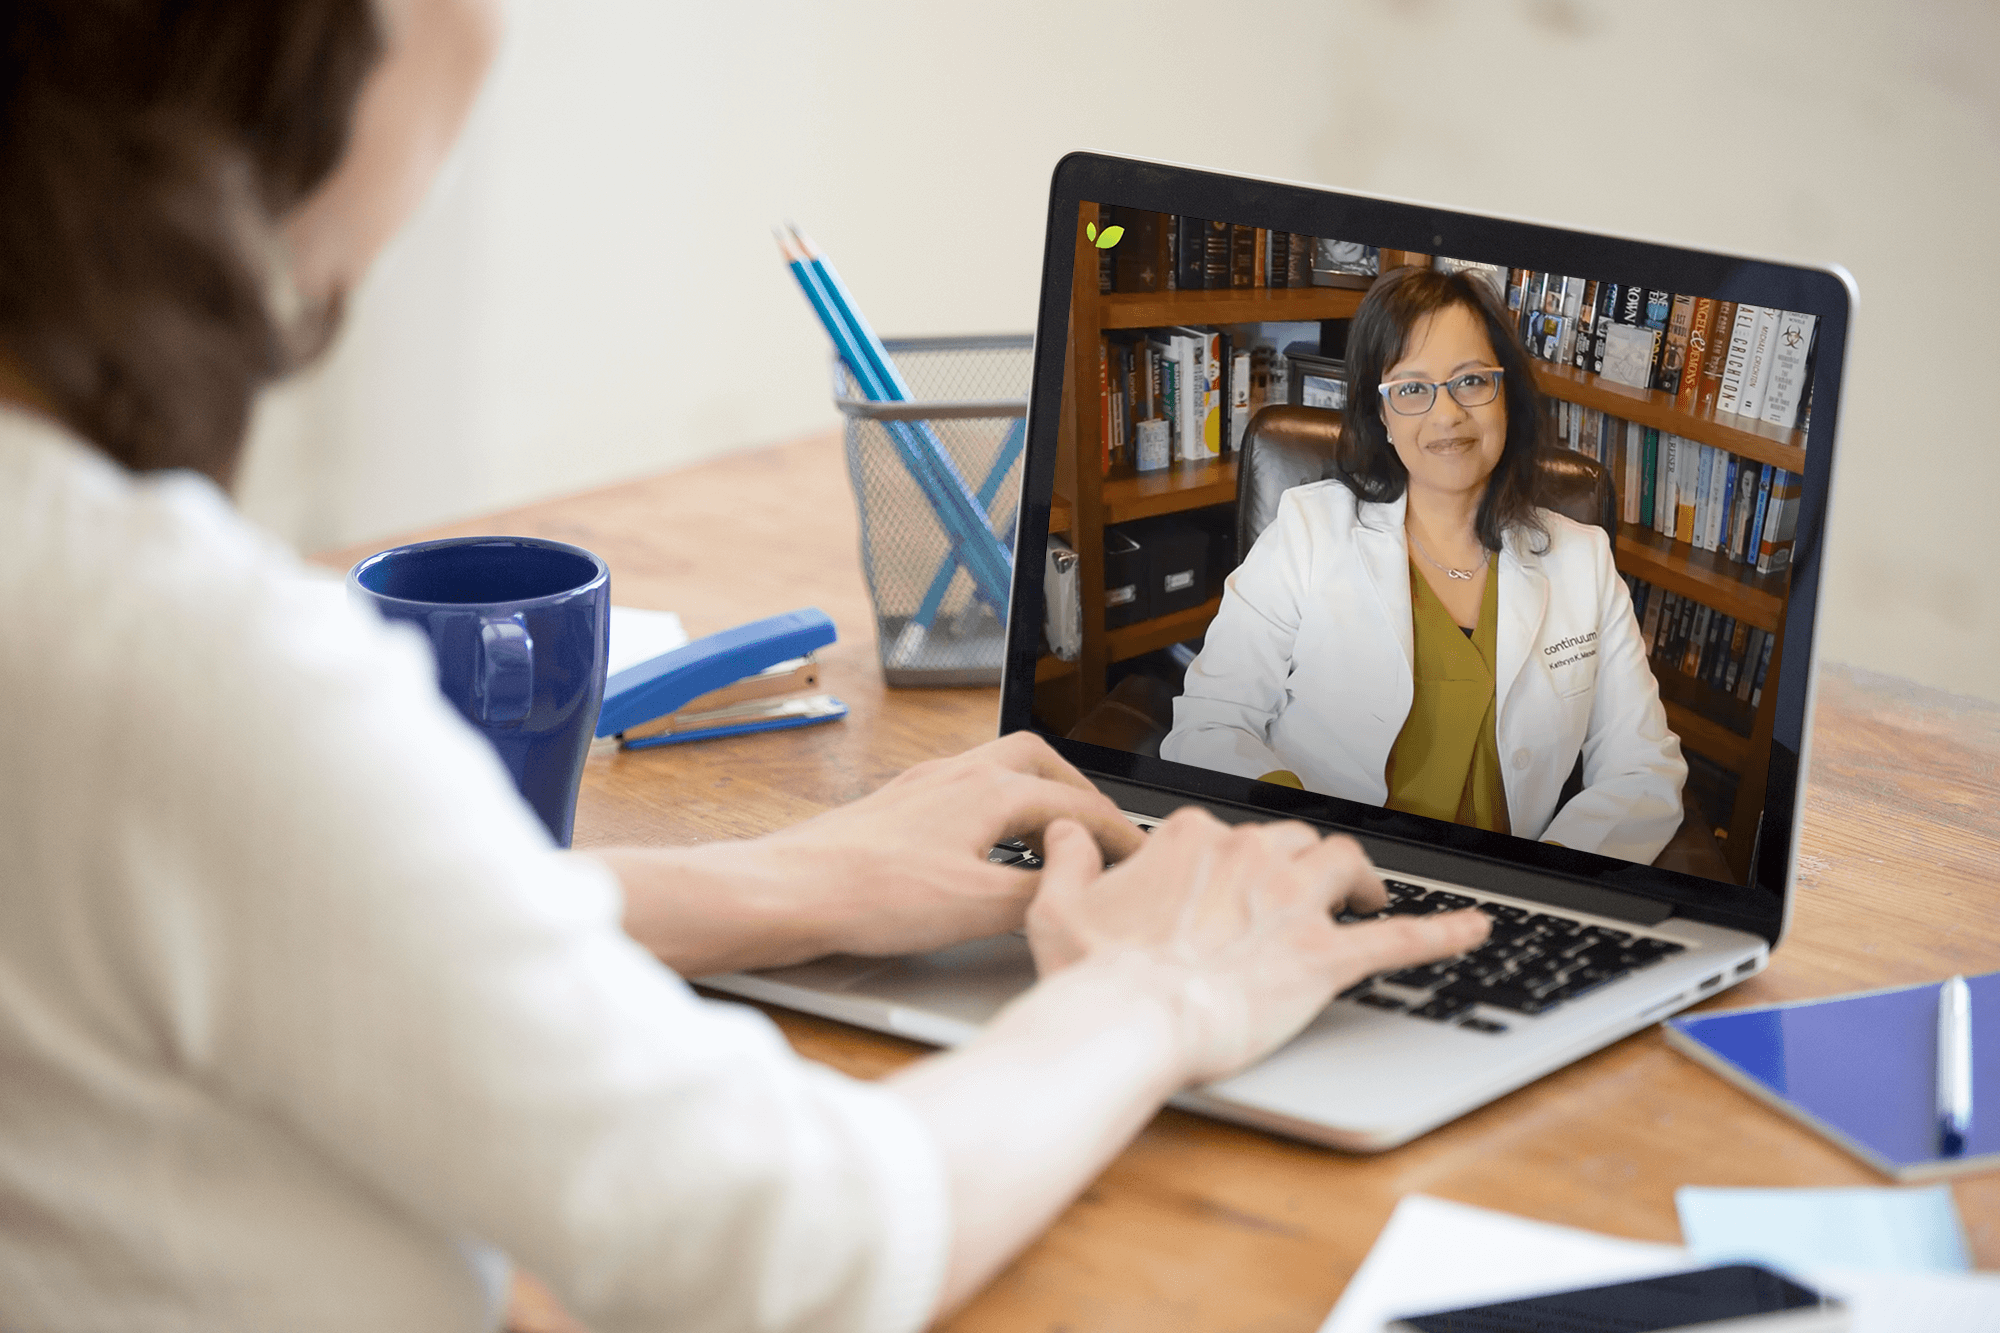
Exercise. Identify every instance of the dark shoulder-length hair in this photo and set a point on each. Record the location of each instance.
(1367, 462)
(148, 150)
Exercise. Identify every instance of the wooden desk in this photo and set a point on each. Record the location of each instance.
(1203, 1226)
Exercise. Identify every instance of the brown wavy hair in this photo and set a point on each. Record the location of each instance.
(1365, 459)
(148, 149)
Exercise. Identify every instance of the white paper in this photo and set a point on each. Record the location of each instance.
(1437, 1255)
(639, 636)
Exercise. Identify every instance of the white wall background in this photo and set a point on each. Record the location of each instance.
(592, 292)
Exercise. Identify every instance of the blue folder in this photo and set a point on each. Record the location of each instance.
(1862, 1070)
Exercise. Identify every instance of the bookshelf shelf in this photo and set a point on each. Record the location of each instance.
(1707, 738)
(1707, 576)
(1148, 635)
(1649, 407)
(1062, 515)
(1250, 305)
(1129, 495)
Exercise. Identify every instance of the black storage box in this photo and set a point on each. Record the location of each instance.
(1127, 593)
(1176, 555)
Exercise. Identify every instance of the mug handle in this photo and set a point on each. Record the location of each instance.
(503, 684)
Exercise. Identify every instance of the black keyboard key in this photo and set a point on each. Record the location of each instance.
(1410, 907)
(1513, 997)
(1375, 1001)
(1559, 925)
(1502, 912)
(1398, 889)
(1004, 855)
(1356, 989)
(1442, 1008)
(1450, 902)
(1481, 1025)
(1422, 977)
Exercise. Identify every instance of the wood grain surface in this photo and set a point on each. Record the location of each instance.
(1199, 1225)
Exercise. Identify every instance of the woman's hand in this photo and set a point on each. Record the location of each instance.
(901, 870)
(1231, 926)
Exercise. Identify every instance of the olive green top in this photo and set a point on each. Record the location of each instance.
(1446, 763)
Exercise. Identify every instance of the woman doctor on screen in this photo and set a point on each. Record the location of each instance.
(1415, 633)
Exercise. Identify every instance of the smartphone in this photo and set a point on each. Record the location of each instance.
(1713, 1300)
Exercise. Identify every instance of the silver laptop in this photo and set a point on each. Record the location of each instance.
(1686, 403)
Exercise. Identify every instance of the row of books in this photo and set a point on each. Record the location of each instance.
(1695, 493)
(1689, 637)
(1155, 252)
(1707, 355)
(1176, 395)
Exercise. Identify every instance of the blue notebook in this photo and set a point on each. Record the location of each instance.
(1862, 1070)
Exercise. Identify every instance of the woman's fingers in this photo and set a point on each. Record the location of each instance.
(1405, 941)
(1028, 805)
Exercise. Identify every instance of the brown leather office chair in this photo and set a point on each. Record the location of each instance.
(1293, 446)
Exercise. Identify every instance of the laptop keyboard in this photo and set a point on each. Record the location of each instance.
(1530, 963)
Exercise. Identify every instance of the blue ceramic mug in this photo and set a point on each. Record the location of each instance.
(520, 628)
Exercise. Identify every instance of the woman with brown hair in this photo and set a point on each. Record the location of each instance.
(304, 1022)
(1417, 633)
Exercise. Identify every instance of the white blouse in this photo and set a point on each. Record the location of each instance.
(303, 1021)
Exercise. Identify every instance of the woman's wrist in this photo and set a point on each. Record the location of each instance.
(721, 906)
(1127, 995)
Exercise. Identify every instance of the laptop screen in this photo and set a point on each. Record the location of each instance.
(1450, 530)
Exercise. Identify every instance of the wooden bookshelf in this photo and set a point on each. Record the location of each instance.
(1742, 436)
(1147, 636)
(1254, 305)
(1050, 667)
(1128, 495)
(1729, 586)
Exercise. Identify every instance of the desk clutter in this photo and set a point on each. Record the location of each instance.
(1865, 1071)
(924, 416)
(1437, 1255)
(756, 677)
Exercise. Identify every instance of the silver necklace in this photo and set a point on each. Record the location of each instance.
(1449, 572)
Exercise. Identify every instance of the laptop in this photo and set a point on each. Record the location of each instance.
(1705, 390)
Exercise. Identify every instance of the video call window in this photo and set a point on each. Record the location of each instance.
(1269, 419)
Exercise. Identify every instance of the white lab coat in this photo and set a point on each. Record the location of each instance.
(1307, 667)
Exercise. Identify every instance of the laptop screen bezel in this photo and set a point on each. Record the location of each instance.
(1761, 905)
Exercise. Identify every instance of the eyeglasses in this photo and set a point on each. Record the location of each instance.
(1413, 398)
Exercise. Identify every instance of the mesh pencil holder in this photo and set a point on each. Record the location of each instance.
(948, 459)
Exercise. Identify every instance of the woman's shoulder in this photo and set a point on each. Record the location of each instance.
(1565, 540)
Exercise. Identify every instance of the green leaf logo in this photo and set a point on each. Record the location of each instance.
(1090, 230)
(1111, 237)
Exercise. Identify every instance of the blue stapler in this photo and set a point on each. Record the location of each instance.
(756, 677)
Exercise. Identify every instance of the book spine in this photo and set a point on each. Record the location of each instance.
(1586, 324)
(1763, 669)
(1718, 496)
(1298, 269)
(1686, 492)
(1746, 675)
(1756, 532)
(1737, 358)
(1791, 351)
(1649, 463)
(1190, 249)
(1635, 449)
(1659, 307)
(1572, 314)
(1781, 518)
(1757, 375)
(1651, 628)
(1673, 360)
(1739, 642)
(1215, 256)
(1697, 637)
(1240, 377)
(1708, 396)
(1136, 267)
(1105, 401)
(1703, 490)
(1726, 511)
(1242, 257)
(1277, 259)
(1260, 260)
(1700, 324)
(1212, 402)
(1607, 306)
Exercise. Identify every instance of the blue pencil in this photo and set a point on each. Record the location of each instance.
(961, 514)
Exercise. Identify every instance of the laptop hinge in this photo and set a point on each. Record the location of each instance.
(1392, 854)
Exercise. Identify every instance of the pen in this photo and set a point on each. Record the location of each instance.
(1954, 1066)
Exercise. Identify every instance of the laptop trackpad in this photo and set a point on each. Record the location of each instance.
(968, 982)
